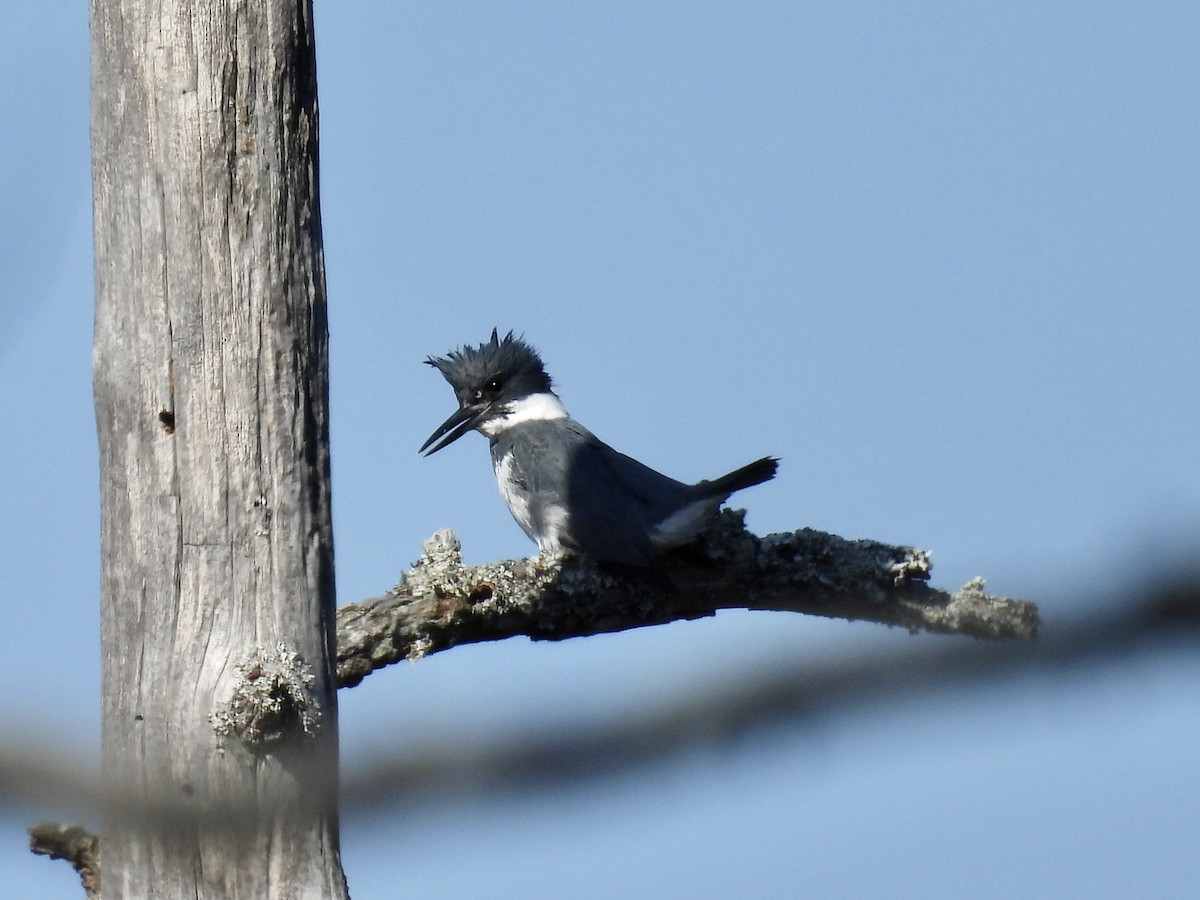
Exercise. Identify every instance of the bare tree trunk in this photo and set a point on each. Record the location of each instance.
(210, 376)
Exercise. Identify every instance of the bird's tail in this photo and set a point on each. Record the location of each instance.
(747, 476)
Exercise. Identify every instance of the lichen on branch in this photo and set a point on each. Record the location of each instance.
(441, 603)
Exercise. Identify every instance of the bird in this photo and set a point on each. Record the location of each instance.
(568, 490)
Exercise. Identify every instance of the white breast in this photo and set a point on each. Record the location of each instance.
(547, 525)
(515, 498)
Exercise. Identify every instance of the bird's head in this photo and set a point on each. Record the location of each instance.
(486, 380)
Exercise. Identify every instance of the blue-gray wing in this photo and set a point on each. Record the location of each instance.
(613, 501)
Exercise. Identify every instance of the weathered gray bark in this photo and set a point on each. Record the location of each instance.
(210, 376)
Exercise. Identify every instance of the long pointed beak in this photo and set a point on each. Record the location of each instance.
(464, 419)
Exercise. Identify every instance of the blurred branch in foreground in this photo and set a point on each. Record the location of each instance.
(441, 603)
(1170, 620)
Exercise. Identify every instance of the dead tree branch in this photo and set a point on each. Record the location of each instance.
(441, 603)
(76, 845)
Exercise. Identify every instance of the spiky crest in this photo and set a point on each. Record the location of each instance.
(508, 359)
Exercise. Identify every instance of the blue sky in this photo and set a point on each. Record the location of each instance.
(940, 258)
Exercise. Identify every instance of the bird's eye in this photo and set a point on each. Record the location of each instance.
(493, 386)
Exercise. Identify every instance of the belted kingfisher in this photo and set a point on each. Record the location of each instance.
(567, 489)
